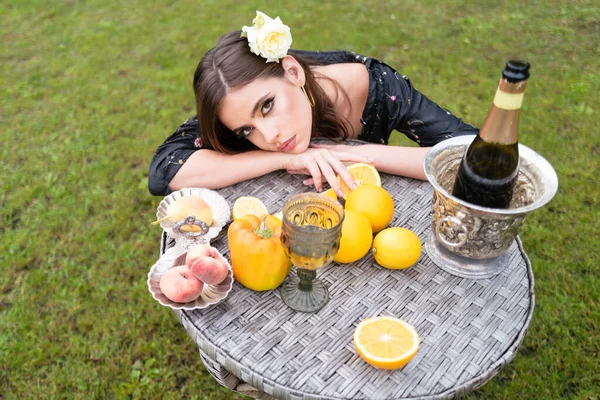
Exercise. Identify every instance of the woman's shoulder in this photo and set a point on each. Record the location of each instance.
(345, 67)
(326, 57)
(353, 79)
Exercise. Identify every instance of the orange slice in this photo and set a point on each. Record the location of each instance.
(386, 342)
(246, 205)
(361, 173)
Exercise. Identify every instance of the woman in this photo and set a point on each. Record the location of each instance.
(259, 104)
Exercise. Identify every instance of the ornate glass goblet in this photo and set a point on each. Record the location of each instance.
(312, 227)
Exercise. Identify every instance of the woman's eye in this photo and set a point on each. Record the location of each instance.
(267, 106)
(246, 132)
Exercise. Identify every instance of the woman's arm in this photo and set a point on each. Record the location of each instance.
(214, 170)
(395, 160)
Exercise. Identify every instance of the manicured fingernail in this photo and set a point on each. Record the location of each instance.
(340, 193)
(305, 182)
(354, 186)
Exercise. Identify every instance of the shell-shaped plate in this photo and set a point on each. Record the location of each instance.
(220, 208)
(211, 294)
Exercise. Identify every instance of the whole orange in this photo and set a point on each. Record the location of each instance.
(374, 202)
(357, 237)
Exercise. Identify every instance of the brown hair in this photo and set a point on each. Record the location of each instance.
(231, 64)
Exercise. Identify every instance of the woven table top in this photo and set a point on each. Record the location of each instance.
(469, 329)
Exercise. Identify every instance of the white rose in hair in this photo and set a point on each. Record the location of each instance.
(268, 38)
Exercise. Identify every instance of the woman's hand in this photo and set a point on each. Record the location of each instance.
(324, 163)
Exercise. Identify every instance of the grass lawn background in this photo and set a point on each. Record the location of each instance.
(91, 88)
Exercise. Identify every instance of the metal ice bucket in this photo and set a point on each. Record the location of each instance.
(469, 240)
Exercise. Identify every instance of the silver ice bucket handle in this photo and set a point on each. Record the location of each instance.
(454, 223)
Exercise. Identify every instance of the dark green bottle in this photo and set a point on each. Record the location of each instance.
(488, 171)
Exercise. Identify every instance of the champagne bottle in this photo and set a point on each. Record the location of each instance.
(488, 171)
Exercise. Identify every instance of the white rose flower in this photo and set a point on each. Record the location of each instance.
(268, 38)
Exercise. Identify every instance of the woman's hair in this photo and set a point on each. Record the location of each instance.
(230, 65)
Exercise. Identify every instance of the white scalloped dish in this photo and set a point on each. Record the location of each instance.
(219, 206)
(211, 294)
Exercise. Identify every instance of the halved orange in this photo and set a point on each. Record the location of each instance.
(248, 205)
(386, 342)
(361, 173)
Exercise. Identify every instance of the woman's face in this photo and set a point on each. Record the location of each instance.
(272, 113)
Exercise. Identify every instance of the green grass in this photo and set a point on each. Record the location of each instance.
(90, 88)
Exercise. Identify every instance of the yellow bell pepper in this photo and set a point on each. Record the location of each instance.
(257, 256)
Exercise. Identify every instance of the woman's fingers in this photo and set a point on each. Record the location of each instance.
(323, 164)
(336, 167)
(339, 169)
(314, 170)
(347, 178)
(343, 171)
(308, 182)
(327, 163)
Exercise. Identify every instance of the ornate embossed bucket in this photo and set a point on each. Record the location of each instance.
(469, 240)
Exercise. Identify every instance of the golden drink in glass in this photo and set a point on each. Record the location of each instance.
(311, 238)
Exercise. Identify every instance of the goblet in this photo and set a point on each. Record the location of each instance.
(311, 232)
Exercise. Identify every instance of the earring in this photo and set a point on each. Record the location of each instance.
(311, 100)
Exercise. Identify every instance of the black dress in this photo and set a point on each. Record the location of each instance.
(392, 104)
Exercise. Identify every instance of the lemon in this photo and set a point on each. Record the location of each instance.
(396, 248)
(374, 202)
(362, 173)
(246, 205)
(279, 215)
(386, 342)
(330, 193)
(357, 238)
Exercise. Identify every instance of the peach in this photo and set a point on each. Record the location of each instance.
(180, 285)
(207, 264)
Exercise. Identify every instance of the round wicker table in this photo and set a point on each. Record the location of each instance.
(251, 342)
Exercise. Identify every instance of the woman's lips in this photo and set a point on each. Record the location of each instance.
(289, 145)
